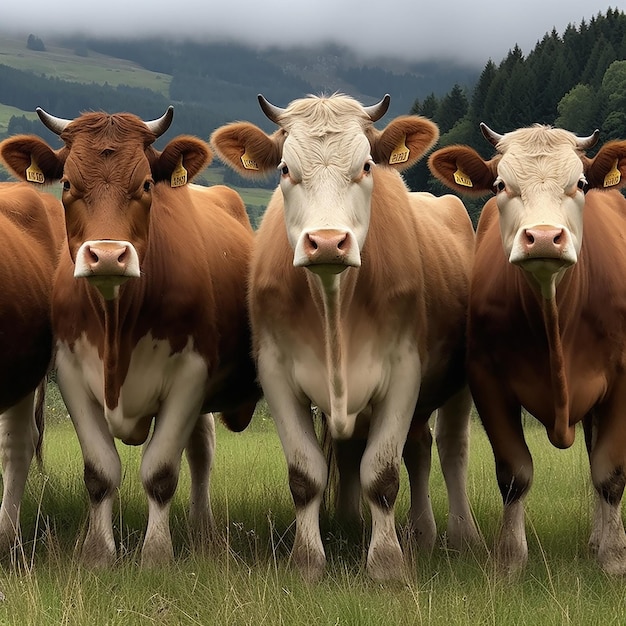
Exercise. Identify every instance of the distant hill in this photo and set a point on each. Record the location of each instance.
(224, 78)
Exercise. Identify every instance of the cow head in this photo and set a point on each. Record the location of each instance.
(108, 170)
(539, 177)
(325, 149)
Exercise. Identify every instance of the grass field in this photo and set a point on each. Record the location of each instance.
(64, 64)
(246, 580)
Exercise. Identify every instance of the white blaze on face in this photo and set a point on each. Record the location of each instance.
(540, 198)
(327, 185)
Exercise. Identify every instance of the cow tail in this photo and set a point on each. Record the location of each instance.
(40, 406)
(326, 443)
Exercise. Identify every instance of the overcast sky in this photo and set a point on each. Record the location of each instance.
(475, 30)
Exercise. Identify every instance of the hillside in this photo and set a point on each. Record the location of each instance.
(225, 78)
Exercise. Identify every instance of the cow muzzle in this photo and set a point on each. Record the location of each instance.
(551, 245)
(106, 264)
(327, 250)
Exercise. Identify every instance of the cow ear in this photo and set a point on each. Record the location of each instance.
(182, 159)
(462, 169)
(29, 157)
(247, 149)
(607, 170)
(403, 141)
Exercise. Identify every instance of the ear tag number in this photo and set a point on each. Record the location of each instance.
(34, 174)
(248, 162)
(400, 153)
(613, 177)
(179, 175)
(461, 178)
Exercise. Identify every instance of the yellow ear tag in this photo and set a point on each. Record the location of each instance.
(33, 173)
(461, 178)
(248, 162)
(179, 175)
(400, 153)
(613, 177)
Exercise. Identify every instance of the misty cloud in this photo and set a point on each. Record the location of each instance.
(472, 31)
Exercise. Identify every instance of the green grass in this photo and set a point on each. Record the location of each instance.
(247, 579)
(64, 64)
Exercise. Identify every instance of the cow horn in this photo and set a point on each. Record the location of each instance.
(271, 111)
(491, 136)
(376, 111)
(584, 143)
(159, 126)
(56, 124)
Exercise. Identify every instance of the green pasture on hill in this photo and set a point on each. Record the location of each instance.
(246, 579)
(65, 64)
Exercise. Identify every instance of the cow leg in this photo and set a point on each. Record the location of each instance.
(608, 474)
(199, 451)
(18, 439)
(380, 467)
(590, 430)
(417, 460)
(452, 438)
(160, 463)
(501, 418)
(348, 454)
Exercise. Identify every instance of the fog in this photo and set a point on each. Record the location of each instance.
(463, 31)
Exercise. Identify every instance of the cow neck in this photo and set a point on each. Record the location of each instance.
(562, 434)
(333, 348)
(111, 352)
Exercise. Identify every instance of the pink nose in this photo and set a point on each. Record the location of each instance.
(107, 259)
(544, 242)
(327, 246)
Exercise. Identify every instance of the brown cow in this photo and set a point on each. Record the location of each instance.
(547, 312)
(358, 302)
(149, 311)
(31, 235)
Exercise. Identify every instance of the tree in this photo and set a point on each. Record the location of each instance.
(452, 108)
(613, 99)
(578, 110)
(34, 43)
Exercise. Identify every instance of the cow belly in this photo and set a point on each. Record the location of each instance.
(152, 375)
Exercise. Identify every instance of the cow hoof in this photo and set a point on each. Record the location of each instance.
(97, 555)
(462, 534)
(386, 563)
(311, 565)
(613, 562)
(156, 556)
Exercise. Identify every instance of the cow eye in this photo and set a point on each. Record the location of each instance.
(367, 167)
(147, 186)
(499, 186)
(66, 185)
(284, 170)
(583, 185)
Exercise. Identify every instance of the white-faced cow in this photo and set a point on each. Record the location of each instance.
(31, 236)
(358, 296)
(149, 311)
(547, 321)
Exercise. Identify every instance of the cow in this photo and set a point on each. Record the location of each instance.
(358, 295)
(31, 236)
(149, 312)
(547, 309)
